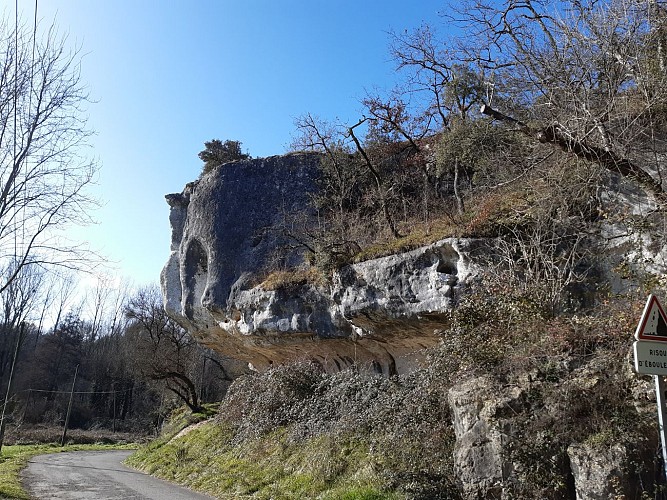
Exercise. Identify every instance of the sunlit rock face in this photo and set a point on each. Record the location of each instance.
(228, 227)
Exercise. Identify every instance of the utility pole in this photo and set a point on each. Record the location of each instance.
(113, 425)
(69, 407)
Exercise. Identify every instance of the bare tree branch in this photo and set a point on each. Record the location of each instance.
(562, 138)
(43, 173)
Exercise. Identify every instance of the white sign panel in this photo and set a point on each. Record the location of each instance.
(650, 357)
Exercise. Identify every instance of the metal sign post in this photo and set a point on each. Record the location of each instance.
(660, 396)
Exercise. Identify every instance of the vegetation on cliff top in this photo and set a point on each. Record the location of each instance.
(216, 153)
(531, 143)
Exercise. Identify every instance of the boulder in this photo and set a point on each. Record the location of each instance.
(483, 428)
(600, 473)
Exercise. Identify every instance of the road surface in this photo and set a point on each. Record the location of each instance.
(97, 475)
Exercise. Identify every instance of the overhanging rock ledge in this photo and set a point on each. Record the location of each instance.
(379, 312)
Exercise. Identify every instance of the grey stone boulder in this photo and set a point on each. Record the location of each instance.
(600, 472)
(483, 428)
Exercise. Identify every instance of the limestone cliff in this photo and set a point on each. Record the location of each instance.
(224, 232)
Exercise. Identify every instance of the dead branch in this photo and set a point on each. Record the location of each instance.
(559, 136)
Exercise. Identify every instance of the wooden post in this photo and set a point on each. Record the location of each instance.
(113, 425)
(69, 408)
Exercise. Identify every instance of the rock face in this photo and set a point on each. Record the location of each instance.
(226, 227)
(600, 473)
(505, 430)
(227, 224)
(482, 435)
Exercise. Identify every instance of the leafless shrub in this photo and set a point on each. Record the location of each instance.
(404, 420)
(260, 403)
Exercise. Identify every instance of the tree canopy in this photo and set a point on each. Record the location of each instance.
(217, 152)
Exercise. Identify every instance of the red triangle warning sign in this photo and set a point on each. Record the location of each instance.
(653, 324)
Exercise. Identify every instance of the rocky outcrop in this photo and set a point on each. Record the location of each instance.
(600, 474)
(229, 224)
(529, 428)
(482, 433)
(230, 227)
(390, 292)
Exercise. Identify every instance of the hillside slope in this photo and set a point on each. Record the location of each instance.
(512, 406)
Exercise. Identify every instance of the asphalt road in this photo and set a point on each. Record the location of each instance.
(97, 475)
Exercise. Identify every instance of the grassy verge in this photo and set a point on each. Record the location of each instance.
(269, 467)
(15, 458)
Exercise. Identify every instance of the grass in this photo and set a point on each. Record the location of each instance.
(270, 467)
(15, 458)
(182, 417)
(291, 280)
(419, 237)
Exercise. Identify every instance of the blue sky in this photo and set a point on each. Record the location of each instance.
(168, 75)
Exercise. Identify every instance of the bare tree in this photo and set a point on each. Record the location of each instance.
(450, 89)
(339, 180)
(104, 306)
(18, 305)
(165, 351)
(390, 120)
(585, 77)
(429, 66)
(61, 295)
(346, 162)
(43, 173)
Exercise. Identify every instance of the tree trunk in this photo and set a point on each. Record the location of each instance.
(378, 181)
(457, 194)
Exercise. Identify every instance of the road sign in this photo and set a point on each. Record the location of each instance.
(650, 357)
(653, 324)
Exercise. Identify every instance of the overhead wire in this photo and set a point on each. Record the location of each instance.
(77, 392)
